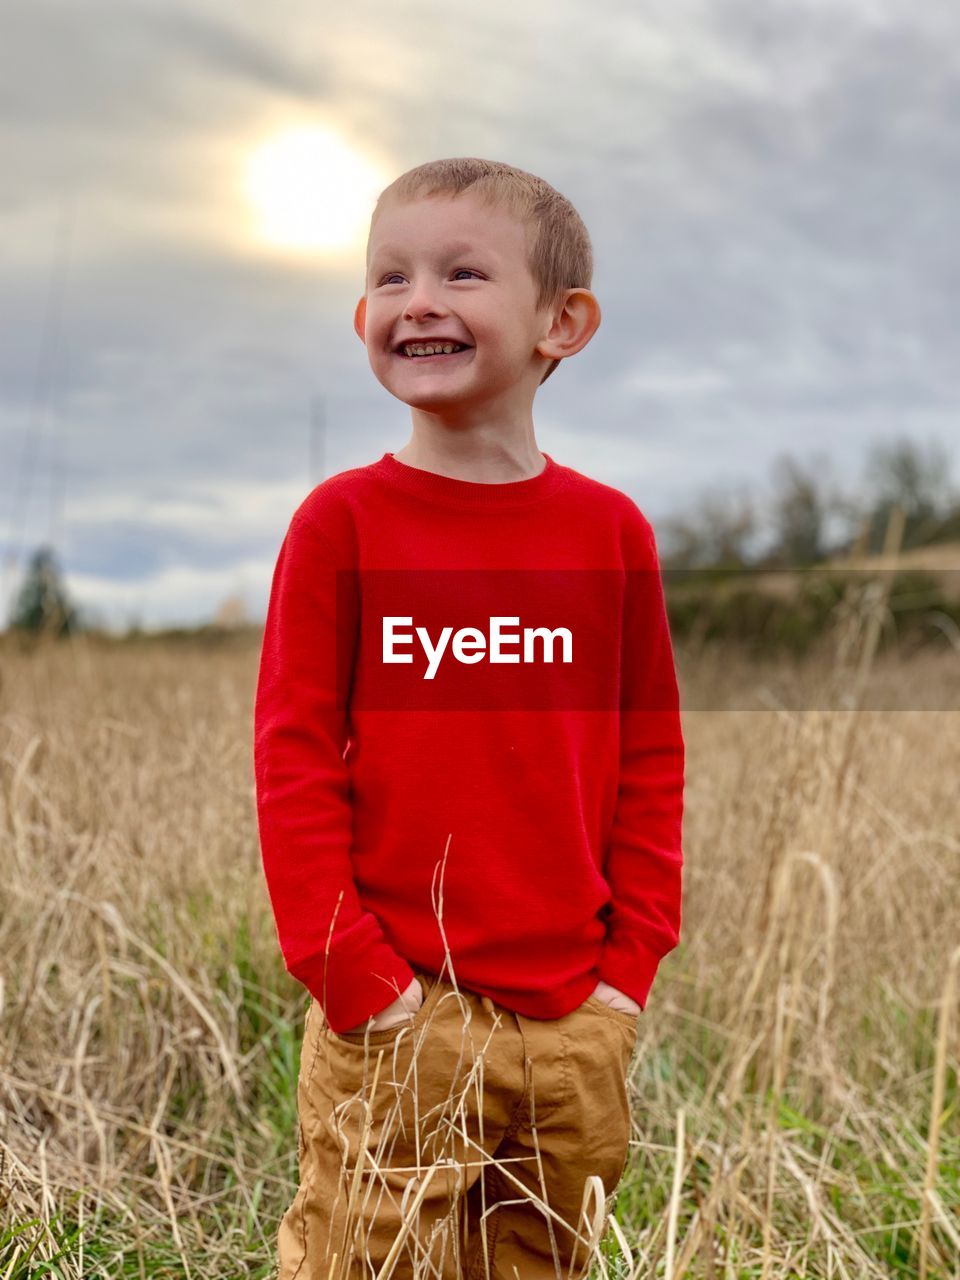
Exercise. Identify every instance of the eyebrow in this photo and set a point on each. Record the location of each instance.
(452, 250)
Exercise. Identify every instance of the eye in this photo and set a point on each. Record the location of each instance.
(469, 270)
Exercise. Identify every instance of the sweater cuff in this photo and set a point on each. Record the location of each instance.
(357, 986)
(630, 966)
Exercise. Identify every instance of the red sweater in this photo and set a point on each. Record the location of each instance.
(434, 774)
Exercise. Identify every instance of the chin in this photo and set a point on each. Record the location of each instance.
(435, 406)
(430, 403)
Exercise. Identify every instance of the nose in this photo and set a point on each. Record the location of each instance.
(421, 303)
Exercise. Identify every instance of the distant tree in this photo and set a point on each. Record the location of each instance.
(680, 541)
(42, 604)
(902, 473)
(716, 533)
(800, 508)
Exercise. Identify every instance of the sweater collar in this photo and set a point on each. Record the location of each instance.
(470, 493)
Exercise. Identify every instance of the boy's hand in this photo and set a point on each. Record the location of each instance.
(396, 1013)
(615, 998)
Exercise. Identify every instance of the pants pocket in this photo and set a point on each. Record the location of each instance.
(631, 1020)
(389, 1034)
(606, 1056)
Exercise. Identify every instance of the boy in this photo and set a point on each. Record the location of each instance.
(469, 769)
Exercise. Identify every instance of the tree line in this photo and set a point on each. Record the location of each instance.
(805, 520)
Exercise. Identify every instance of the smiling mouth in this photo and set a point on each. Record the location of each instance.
(440, 355)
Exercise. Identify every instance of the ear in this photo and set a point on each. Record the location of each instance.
(360, 318)
(572, 325)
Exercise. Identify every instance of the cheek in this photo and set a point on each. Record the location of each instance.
(377, 327)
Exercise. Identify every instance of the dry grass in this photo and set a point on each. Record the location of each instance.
(795, 1079)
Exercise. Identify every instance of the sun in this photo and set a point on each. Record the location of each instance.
(310, 190)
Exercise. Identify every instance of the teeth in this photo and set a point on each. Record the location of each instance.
(419, 349)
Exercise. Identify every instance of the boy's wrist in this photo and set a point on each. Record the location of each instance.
(398, 1011)
(361, 981)
(616, 998)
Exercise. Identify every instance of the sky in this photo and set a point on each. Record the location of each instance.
(770, 188)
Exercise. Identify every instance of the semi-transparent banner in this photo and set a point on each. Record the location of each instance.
(598, 640)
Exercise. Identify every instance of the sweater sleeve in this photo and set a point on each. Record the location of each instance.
(644, 855)
(329, 941)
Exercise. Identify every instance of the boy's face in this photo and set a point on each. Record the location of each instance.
(454, 268)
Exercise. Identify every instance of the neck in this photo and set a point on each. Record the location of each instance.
(492, 461)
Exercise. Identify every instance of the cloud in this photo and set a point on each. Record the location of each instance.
(770, 189)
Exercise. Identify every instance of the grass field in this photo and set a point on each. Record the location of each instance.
(795, 1079)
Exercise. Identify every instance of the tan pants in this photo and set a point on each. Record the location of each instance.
(463, 1084)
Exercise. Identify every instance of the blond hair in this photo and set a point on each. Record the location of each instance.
(559, 253)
